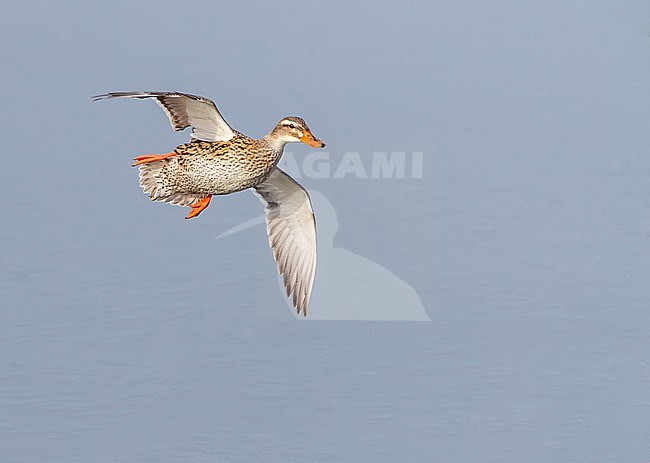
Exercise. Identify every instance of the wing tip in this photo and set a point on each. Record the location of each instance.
(301, 309)
(102, 96)
(139, 95)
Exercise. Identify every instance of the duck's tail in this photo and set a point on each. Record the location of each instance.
(154, 182)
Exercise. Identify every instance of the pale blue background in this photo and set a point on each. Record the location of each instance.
(130, 335)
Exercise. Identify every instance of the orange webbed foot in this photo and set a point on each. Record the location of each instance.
(198, 207)
(151, 158)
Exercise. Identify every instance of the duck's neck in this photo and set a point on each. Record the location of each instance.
(274, 142)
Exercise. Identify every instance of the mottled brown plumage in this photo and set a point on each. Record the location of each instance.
(210, 168)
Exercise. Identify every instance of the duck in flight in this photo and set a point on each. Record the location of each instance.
(218, 160)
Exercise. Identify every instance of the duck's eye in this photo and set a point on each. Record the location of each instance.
(292, 126)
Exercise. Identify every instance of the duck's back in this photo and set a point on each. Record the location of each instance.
(210, 168)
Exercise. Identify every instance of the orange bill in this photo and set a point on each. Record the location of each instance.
(309, 139)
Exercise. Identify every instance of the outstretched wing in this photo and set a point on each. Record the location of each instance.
(185, 111)
(292, 234)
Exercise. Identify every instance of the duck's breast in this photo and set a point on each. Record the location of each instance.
(221, 167)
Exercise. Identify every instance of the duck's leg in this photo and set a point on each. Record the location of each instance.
(151, 158)
(199, 207)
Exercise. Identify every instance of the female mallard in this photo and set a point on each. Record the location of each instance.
(218, 161)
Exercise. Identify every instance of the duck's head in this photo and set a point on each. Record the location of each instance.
(293, 129)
